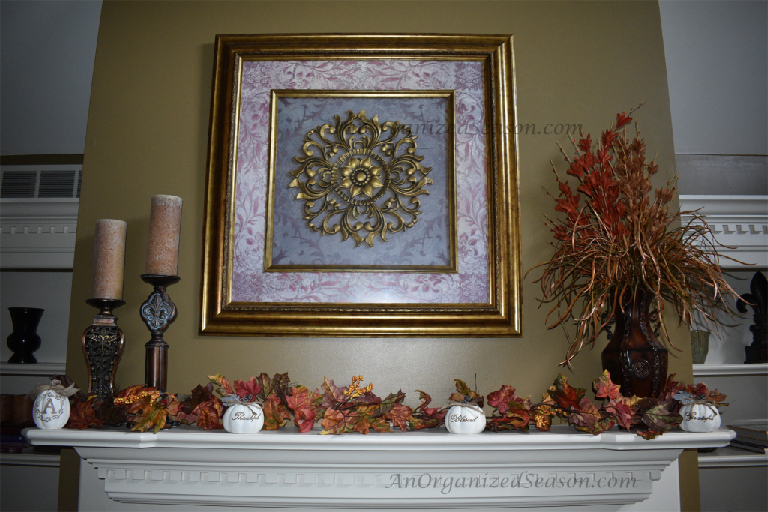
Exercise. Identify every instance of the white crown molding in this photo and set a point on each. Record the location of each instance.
(29, 458)
(732, 458)
(189, 466)
(33, 370)
(740, 222)
(726, 370)
(37, 233)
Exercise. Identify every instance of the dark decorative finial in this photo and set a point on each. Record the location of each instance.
(758, 301)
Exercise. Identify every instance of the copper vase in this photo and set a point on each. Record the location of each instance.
(634, 357)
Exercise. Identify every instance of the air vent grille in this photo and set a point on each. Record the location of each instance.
(42, 184)
(18, 184)
(57, 184)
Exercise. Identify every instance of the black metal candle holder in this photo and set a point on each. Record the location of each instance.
(103, 344)
(158, 312)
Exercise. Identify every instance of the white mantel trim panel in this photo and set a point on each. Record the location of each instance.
(38, 233)
(740, 222)
(188, 466)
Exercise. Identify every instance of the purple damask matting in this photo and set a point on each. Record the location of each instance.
(469, 286)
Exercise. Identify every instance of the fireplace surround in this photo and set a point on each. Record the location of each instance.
(616, 470)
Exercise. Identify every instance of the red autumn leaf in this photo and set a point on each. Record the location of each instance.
(339, 422)
(82, 415)
(148, 412)
(301, 402)
(585, 145)
(332, 395)
(607, 139)
(198, 395)
(698, 390)
(564, 395)
(466, 395)
(663, 416)
(245, 389)
(174, 408)
(605, 388)
(498, 424)
(501, 399)
(277, 385)
(224, 387)
(576, 169)
(209, 414)
(367, 420)
(362, 425)
(589, 419)
(424, 417)
(621, 409)
(622, 120)
(111, 414)
(368, 398)
(569, 205)
(649, 434)
(275, 413)
(519, 414)
(399, 415)
(517, 417)
(716, 396)
(671, 388)
(390, 401)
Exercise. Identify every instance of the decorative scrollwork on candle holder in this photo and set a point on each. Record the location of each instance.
(103, 344)
(158, 313)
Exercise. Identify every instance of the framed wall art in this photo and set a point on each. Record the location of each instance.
(362, 185)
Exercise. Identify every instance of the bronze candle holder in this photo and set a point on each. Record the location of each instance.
(158, 312)
(103, 344)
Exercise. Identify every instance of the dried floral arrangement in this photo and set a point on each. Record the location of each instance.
(619, 234)
(355, 408)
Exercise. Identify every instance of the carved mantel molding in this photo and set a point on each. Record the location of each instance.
(737, 221)
(413, 470)
(38, 233)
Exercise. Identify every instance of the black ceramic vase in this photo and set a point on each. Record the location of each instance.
(24, 340)
(634, 357)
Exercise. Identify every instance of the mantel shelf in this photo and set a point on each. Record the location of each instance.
(39, 369)
(728, 457)
(189, 466)
(707, 370)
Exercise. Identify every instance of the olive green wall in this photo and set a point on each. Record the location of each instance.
(148, 134)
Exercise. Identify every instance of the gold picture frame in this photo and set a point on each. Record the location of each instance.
(466, 212)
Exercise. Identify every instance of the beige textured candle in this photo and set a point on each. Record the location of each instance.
(108, 259)
(164, 230)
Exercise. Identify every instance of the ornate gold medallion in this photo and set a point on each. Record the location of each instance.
(360, 178)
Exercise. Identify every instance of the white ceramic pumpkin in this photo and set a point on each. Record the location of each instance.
(51, 410)
(465, 420)
(244, 418)
(700, 418)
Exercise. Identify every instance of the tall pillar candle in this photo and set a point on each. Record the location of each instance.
(108, 259)
(164, 231)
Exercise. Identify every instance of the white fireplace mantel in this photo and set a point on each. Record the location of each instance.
(412, 470)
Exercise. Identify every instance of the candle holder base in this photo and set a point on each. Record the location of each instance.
(103, 344)
(158, 313)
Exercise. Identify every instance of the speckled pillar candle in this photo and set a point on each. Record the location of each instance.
(164, 230)
(108, 259)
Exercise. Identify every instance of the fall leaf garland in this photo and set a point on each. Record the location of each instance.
(355, 408)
